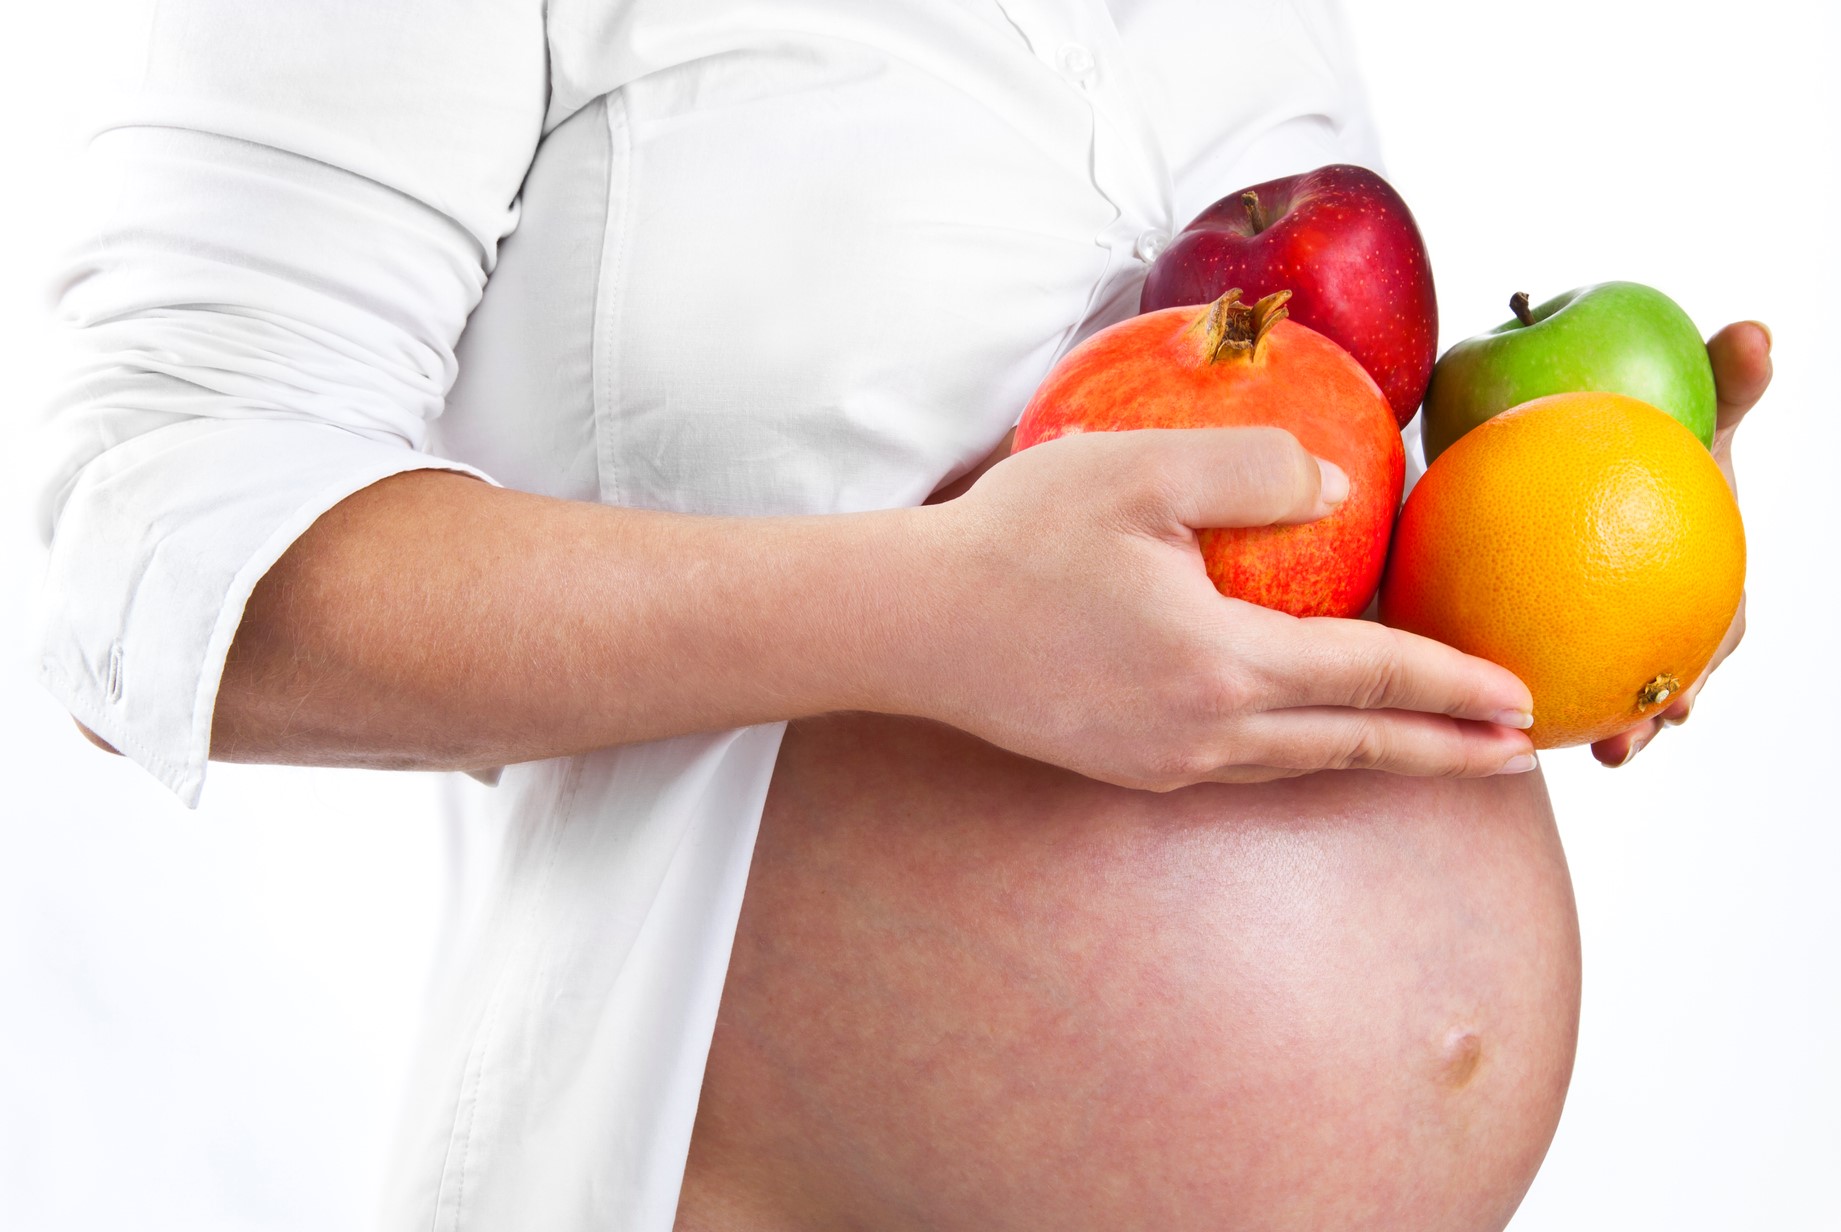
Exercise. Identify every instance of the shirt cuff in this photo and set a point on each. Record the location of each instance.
(156, 551)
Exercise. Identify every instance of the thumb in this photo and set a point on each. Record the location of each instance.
(1741, 359)
(1248, 477)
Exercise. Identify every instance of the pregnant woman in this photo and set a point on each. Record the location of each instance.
(609, 398)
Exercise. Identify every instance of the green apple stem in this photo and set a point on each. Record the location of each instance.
(1235, 330)
(1518, 304)
(1256, 213)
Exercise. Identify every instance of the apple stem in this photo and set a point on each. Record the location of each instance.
(1518, 304)
(1256, 213)
(1235, 330)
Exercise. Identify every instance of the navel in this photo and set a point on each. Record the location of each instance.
(1463, 1053)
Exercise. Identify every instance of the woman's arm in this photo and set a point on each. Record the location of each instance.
(386, 674)
(435, 622)
(1060, 608)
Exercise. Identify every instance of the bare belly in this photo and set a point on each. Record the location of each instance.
(971, 991)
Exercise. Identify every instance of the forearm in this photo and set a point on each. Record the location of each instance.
(434, 622)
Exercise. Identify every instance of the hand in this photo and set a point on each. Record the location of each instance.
(1741, 356)
(1078, 626)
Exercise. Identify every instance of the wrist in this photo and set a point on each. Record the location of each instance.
(898, 610)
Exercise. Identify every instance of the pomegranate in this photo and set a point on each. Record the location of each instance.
(1229, 364)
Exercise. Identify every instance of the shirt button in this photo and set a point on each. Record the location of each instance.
(1149, 245)
(1076, 64)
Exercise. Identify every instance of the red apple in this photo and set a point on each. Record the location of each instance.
(1344, 244)
(1231, 364)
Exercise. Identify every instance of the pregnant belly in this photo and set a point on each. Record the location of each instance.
(972, 991)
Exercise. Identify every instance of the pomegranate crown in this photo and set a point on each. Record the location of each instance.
(1235, 330)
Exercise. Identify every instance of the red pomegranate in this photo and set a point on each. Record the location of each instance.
(1229, 364)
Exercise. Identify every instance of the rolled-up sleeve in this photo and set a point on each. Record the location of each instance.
(305, 201)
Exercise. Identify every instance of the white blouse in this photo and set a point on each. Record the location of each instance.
(745, 257)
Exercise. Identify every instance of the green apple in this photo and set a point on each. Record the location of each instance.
(1615, 337)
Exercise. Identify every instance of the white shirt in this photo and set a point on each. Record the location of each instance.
(745, 257)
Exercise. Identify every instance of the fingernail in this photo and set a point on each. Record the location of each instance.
(1678, 719)
(1767, 333)
(1521, 763)
(1333, 487)
(1515, 718)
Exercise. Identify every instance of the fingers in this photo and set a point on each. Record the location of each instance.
(1741, 358)
(1398, 741)
(1354, 663)
(1217, 477)
(1615, 751)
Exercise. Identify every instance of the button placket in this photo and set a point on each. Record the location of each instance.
(1078, 40)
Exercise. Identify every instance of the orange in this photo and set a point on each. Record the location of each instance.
(1585, 541)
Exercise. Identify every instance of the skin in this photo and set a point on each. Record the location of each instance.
(970, 990)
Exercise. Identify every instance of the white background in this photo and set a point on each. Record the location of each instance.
(202, 1014)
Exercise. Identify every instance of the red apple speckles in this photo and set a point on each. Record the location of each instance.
(1343, 242)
